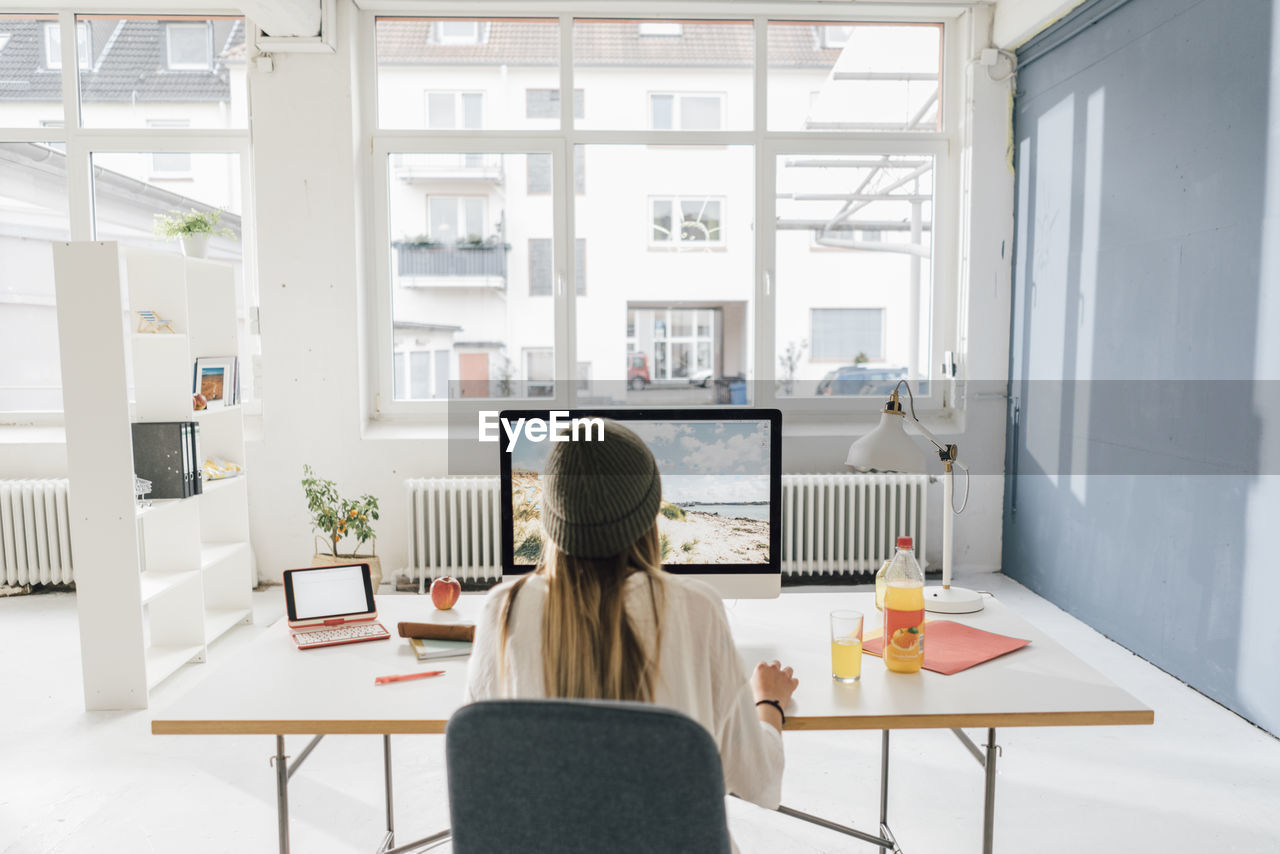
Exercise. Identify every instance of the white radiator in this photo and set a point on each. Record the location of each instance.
(454, 528)
(839, 524)
(35, 541)
(832, 524)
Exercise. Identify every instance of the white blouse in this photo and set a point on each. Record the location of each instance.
(700, 672)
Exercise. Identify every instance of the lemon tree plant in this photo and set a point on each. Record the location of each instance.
(337, 518)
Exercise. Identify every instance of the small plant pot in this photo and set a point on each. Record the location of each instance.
(195, 245)
(375, 565)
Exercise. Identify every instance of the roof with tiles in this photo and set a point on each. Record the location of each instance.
(128, 63)
(413, 41)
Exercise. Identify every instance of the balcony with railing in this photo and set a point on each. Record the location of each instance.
(469, 166)
(432, 265)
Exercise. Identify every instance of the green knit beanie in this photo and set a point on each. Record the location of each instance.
(598, 497)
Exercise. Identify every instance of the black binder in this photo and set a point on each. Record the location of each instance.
(161, 454)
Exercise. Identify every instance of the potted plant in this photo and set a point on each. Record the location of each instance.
(338, 518)
(192, 229)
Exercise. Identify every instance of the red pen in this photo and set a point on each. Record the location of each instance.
(383, 680)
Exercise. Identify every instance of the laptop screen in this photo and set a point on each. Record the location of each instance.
(324, 592)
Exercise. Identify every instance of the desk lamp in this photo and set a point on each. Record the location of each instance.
(888, 448)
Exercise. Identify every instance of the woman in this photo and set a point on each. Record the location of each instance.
(600, 619)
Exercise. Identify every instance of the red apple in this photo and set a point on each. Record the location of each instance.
(445, 592)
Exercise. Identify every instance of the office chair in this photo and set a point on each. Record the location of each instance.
(582, 777)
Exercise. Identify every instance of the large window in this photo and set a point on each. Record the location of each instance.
(777, 238)
(853, 250)
(70, 180)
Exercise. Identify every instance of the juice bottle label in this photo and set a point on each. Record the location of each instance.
(904, 628)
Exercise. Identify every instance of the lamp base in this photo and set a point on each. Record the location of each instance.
(951, 600)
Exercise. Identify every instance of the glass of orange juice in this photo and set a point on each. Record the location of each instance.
(846, 646)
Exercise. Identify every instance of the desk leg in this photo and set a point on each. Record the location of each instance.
(386, 761)
(282, 794)
(989, 798)
(884, 785)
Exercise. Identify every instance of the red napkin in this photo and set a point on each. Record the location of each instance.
(951, 647)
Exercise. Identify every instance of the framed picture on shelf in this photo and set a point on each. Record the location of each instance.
(215, 380)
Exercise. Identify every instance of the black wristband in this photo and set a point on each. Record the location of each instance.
(777, 706)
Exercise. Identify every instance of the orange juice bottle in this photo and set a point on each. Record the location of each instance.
(904, 611)
(880, 584)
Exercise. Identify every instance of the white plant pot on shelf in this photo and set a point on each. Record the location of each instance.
(195, 245)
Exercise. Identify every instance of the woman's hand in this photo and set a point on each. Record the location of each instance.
(772, 681)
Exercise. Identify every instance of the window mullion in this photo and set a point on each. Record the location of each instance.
(765, 291)
(79, 170)
(566, 285)
(70, 72)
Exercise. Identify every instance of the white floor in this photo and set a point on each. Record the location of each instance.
(1201, 779)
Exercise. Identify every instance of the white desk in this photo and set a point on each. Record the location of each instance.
(271, 688)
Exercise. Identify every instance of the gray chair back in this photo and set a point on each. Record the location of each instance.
(582, 777)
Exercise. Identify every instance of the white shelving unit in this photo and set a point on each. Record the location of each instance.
(154, 587)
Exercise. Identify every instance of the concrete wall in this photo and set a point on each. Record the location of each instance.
(1144, 360)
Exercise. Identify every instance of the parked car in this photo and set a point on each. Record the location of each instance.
(637, 371)
(859, 379)
(702, 378)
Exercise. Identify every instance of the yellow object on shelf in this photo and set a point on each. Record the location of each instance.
(216, 468)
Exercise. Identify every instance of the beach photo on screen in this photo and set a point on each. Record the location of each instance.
(715, 491)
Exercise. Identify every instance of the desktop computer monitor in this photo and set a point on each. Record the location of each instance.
(721, 512)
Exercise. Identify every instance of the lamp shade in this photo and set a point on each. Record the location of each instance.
(887, 448)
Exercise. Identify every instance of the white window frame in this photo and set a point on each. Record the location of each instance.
(80, 143)
(944, 145)
(169, 28)
(674, 241)
(677, 100)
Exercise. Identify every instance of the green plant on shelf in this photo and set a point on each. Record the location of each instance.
(177, 224)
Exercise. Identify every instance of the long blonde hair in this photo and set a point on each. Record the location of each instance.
(590, 650)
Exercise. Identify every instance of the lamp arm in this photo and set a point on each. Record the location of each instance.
(944, 451)
(932, 438)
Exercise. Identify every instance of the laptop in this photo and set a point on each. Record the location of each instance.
(329, 605)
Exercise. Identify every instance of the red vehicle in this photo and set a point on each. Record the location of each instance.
(637, 371)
